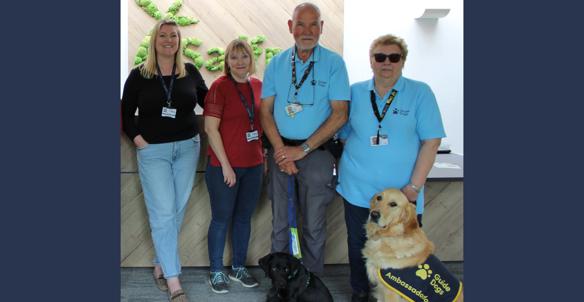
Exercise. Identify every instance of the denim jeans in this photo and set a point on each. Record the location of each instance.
(167, 173)
(355, 218)
(233, 205)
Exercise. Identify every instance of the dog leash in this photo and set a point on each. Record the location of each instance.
(294, 240)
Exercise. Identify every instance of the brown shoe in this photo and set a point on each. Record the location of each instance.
(178, 296)
(161, 283)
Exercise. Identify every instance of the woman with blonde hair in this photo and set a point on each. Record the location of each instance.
(165, 91)
(235, 167)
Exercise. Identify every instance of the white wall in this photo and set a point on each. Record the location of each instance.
(435, 50)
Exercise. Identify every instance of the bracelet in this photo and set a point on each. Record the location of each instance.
(416, 188)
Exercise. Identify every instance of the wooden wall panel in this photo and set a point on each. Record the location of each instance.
(443, 222)
(224, 20)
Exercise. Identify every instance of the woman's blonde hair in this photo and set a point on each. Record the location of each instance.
(240, 45)
(390, 40)
(148, 68)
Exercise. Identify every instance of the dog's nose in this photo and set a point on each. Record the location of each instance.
(374, 216)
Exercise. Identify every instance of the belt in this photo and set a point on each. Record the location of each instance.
(292, 142)
(297, 142)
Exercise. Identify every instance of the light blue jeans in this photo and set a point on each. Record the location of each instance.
(167, 173)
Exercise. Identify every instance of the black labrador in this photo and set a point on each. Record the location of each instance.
(291, 281)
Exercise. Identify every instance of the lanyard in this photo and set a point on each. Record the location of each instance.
(167, 90)
(376, 110)
(250, 110)
(306, 72)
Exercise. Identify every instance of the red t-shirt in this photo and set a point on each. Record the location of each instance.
(223, 102)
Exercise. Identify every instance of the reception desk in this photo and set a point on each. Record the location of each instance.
(443, 219)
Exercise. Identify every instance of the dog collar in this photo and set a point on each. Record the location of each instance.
(293, 275)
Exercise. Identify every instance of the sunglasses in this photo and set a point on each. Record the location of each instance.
(393, 57)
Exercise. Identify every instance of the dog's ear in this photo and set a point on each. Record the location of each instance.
(265, 263)
(410, 220)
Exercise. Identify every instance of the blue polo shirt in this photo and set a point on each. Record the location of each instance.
(413, 116)
(327, 81)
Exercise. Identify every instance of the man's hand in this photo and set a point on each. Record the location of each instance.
(288, 154)
(288, 168)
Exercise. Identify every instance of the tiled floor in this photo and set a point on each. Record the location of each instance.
(138, 285)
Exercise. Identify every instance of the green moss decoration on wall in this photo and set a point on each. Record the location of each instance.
(255, 42)
(175, 7)
(216, 51)
(195, 56)
(271, 52)
(191, 41)
(142, 52)
(145, 42)
(150, 8)
(215, 63)
(184, 21)
(259, 39)
(217, 54)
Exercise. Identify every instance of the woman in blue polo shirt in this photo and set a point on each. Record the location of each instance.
(391, 140)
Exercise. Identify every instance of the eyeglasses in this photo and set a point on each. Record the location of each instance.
(393, 57)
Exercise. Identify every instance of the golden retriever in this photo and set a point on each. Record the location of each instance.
(395, 241)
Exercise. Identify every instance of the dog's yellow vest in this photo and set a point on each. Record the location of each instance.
(427, 282)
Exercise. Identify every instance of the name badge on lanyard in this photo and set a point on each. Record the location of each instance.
(252, 134)
(380, 139)
(293, 109)
(167, 111)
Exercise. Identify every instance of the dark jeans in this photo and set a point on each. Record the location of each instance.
(233, 205)
(355, 219)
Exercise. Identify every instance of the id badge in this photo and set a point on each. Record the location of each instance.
(168, 112)
(293, 109)
(383, 140)
(252, 136)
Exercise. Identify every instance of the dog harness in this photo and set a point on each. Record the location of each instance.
(427, 282)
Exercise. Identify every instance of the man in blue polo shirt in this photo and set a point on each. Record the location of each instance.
(305, 98)
(392, 137)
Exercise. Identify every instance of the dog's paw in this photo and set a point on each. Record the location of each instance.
(424, 271)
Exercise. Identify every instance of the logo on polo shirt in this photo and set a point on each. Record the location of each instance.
(403, 112)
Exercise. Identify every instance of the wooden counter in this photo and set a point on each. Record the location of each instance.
(443, 220)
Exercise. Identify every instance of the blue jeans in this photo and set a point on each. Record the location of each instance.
(355, 218)
(233, 205)
(167, 173)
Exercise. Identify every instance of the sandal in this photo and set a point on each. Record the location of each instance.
(178, 296)
(160, 283)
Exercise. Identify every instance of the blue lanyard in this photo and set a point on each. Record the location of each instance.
(248, 109)
(167, 91)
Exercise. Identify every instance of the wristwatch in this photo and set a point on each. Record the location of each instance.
(416, 188)
(305, 148)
